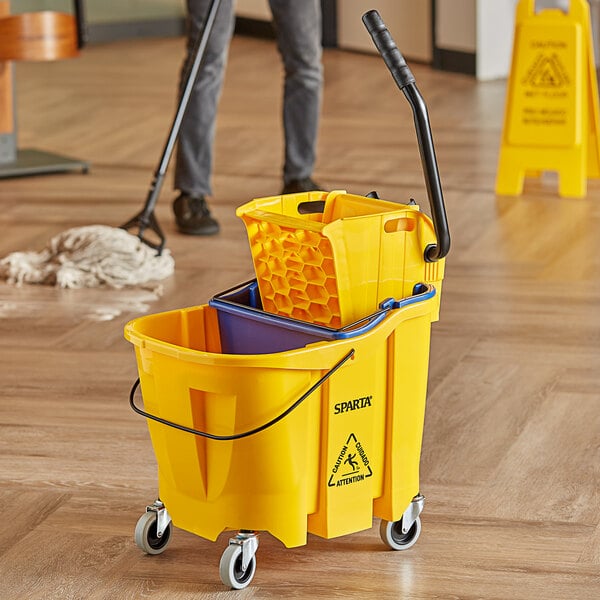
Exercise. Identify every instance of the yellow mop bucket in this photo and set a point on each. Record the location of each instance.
(315, 436)
(317, 439)
(331, 258)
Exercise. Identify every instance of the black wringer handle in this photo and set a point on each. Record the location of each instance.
(406, 82)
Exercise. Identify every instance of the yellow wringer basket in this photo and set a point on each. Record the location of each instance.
(332, 258)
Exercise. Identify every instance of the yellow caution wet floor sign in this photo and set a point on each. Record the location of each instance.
(551, 117)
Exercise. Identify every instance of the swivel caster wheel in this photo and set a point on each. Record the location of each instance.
(231, 571)
(238, 562)
(146, 534)
(392, 535)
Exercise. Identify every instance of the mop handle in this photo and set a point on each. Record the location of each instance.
(406, 82)
(198, 54)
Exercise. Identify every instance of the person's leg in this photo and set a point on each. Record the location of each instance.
(196, 136)
(193, 166)
(298, 27)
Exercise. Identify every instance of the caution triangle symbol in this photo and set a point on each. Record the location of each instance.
(351, 465)
(547, 73)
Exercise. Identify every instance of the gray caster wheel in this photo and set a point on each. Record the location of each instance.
(146, 534)
(231, 568)
(392, 535)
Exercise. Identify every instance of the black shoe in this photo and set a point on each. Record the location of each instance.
(193, 216)
(300, 185)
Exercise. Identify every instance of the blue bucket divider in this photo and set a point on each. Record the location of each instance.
(246, 329)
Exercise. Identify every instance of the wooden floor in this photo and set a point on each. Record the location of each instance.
(511, 452)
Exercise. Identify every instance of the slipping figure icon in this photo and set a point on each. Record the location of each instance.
(350, 460)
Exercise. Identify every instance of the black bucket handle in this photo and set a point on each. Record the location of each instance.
(406, 82)
(237, 436)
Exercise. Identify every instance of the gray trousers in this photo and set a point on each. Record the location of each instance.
(298, 29)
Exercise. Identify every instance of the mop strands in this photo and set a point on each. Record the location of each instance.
(91, 256)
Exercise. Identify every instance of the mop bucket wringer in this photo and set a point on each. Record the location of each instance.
(331, 258)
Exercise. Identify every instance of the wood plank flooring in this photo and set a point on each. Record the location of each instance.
(511, 453)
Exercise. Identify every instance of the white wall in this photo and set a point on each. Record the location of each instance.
(482, 27)
(495, 32)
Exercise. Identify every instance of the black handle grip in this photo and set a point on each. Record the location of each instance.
(406, 82)
(387, 48)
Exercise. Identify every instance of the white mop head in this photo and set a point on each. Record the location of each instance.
(89, 257)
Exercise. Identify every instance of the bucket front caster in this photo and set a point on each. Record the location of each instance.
(238, 562)
(392, 534)
(153, 529)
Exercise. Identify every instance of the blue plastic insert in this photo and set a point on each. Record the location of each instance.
(246, 329)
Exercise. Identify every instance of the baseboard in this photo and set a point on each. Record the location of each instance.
(114, 31)
(455, 61)
(254, 28)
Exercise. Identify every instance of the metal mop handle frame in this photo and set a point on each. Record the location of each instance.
(146, 218)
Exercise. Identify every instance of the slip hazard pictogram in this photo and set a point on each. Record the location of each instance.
(546, 72)
(351, 465)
